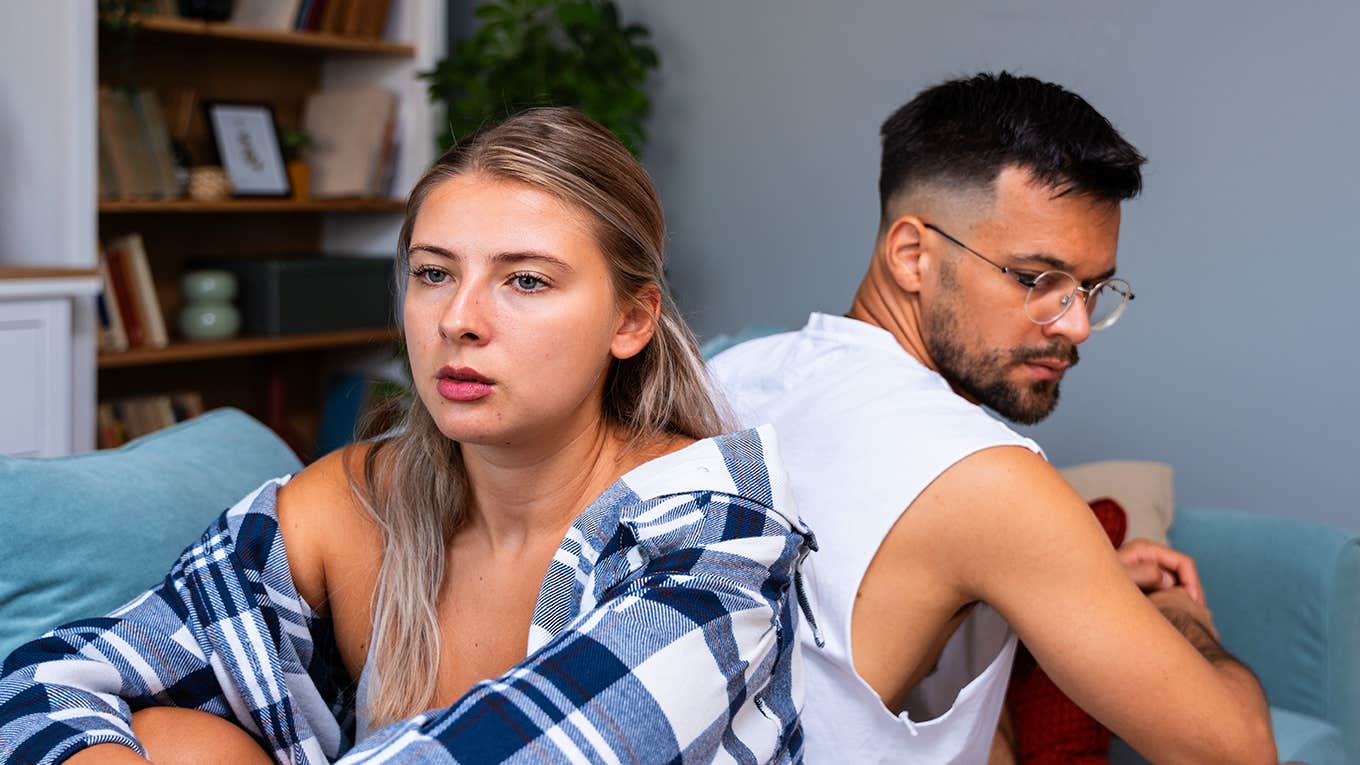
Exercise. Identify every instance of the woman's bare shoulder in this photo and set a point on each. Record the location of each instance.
(323, 520)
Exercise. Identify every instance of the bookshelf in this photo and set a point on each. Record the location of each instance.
(278, 379)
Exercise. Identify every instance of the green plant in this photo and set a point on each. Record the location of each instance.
(293, 142)
(119, 20)
(548, 52)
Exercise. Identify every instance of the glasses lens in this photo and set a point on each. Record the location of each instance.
(1049, 298)
(1107, 303)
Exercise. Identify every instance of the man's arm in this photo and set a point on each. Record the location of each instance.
(1012, 533)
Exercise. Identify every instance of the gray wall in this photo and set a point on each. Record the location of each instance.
(1237, 364)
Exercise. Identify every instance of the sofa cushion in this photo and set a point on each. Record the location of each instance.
(84, 534)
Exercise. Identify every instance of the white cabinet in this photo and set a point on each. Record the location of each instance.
(41, 392)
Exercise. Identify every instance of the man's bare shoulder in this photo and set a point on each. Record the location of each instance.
(989, 511)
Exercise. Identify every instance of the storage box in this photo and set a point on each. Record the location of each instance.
(298, 295)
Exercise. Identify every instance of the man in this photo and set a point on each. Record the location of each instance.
(995, 258)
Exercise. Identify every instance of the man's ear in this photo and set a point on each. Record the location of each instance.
(637, 323)
(902, 254)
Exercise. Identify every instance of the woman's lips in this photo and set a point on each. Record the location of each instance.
(463, 384)
(462, 390)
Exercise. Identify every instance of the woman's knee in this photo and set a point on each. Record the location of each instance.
(172, 735)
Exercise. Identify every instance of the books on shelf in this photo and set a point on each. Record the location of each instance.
(136, 160)
(353, 132)
(132, 316)
(112, 333)
(121, 420)
(348, 18)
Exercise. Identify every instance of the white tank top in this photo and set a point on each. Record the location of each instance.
(864, 429)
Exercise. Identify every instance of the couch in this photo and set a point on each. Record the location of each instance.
(81, 535)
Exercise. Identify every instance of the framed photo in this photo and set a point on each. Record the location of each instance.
(247, 141)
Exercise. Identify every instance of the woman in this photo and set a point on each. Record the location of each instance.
(451, 569)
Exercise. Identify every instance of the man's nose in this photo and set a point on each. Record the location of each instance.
(1074, 324)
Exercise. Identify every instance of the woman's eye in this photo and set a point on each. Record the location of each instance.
(528, 282)
(430, 275)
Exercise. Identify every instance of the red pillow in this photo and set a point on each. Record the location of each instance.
(1050, 728)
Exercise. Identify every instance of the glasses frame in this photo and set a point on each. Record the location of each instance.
(1029, 283)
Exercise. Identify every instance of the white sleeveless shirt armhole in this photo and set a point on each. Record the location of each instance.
(864, 429)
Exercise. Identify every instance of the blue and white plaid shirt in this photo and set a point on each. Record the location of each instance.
(664, 632)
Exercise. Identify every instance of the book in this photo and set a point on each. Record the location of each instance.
(316, 13)
(112, 334)
(138, 270)
(374, 22)
(129, 159)
(156, 135)
(351, 130)
(333, 20)
(108, 179)
(128, 311)
(111, 430)
(187, 405)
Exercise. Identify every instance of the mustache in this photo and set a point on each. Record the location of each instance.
(1058, 350)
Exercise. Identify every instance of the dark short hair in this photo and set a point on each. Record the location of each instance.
(965, 131)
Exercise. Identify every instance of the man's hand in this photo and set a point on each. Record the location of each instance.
(1185, 613)
(1154, 567)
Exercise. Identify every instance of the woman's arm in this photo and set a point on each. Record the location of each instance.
(218, 634)
(687, 655)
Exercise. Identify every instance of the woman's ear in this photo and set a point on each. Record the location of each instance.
(637, 323)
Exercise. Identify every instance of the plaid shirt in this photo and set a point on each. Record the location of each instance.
(664, 632)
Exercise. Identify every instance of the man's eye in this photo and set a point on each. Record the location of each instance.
(1026, 279)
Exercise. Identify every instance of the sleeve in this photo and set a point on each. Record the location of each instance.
(78, 685)
(686, 656)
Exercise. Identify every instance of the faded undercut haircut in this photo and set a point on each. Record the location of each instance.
(962, 133)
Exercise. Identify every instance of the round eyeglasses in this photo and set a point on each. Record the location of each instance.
(1051, 293)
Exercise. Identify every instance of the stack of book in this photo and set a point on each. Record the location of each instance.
(129, 312)
(136, 160)
(351, 18)
(121, 420)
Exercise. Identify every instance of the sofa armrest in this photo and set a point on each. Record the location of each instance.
(1283, 595)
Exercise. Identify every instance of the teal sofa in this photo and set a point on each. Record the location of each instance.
(81, 535)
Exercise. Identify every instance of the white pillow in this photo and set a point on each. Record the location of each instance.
(1143, 489)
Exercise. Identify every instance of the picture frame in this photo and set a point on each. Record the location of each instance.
(246, 137)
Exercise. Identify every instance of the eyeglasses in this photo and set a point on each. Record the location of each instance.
(1051, 293)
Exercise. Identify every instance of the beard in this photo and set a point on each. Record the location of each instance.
(984, 375)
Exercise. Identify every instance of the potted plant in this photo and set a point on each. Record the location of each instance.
(548, 52)
(294, 142)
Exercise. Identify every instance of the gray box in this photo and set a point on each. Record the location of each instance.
(300, 295)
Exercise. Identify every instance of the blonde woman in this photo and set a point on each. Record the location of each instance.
(557, 559)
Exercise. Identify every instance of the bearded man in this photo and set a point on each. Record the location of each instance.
(945, 535)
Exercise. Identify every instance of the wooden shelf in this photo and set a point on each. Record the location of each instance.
(318, 43)
(245, 346)
(24, 272)
(190, 206)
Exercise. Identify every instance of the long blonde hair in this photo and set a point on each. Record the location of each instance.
(414, 483)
